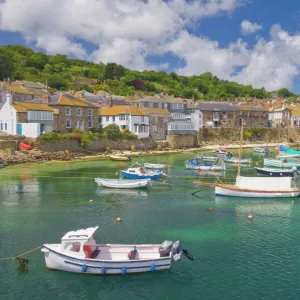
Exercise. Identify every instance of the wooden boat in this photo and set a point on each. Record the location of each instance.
(261, 150)
(25, 146)
(275, 172)
(79, 253)
(122, 184)
(262, 187)
(280, 163)
(141, 173)
(236, 160)
(154, 166)
(120, 158)
(196, 164)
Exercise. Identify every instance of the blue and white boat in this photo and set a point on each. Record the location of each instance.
(141, 173)
(261, 150)
(196, 164)
(275, 172)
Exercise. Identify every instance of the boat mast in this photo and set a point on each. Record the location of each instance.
(240, 150)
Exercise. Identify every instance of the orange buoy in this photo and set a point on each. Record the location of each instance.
(88, 250)
(250, 218)
(118, 219)
(210, 208)
(121, 163)
(129, 254)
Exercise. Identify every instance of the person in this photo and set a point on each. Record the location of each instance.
(285, 160)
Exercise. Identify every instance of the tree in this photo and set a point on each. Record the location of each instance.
(56, 81)
(114, 71)
(113, 131)
(138, 84)
(6, 64)
(284, 93)
(37, 60)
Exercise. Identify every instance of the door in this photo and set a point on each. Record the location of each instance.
(19, 129)
(42, 128)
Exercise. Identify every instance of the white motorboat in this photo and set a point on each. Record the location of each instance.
(236, 160)
(281, 163)
(122, 183)
(261, 187)
(261, 150)
(154, 166)
(79, 253)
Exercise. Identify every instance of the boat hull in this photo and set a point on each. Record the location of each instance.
(58, 261)
(275, 172)
(154, 166)
(260, 150)
(279, 164)
(122, 184)
(236, 160)
(141, 176)
(205, 167)
(119, 158)
(234, 191)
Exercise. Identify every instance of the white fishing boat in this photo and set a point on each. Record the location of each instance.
(195, 164)
(122, 183)
(154, 166)
(262, 187)
(281, 163)
(236, 160)
(78, 252)
(220, 152)
(261, 150)
(209, 158)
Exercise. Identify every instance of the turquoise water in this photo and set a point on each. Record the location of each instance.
(235, 258)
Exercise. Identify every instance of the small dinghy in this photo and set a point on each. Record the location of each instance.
(121, 183)
(141, 173)
(209, 158)
(258, 187)
(154, 166)
(275, 172)
(120, 158)
(25, 146)
(220, 152)
(79, 253)
(261, 150)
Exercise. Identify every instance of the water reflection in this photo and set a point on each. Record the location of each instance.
(122, 192)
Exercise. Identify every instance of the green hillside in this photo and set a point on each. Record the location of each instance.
(21, 63)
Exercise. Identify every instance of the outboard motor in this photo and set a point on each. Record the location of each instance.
(176, 251)
(165, 248)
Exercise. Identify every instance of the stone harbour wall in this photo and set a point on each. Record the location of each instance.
(182, 141)
(100, 145)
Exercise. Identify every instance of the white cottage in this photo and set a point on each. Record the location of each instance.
(126, 117)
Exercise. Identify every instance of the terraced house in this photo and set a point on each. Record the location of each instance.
(126, 117)
(73, 113)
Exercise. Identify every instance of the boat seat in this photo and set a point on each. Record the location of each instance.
(95, 253)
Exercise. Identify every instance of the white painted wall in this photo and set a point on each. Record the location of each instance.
(31, 129)
(132, 120)
(197, 119)
(8, 115)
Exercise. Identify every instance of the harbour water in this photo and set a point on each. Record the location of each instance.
(235, 258)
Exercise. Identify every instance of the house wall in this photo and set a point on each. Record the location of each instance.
(254, 118)
(8, 116)
(31, 130)
(182, 141)
(158, 127)
(60, 123)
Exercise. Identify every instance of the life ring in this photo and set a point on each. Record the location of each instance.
(88, 250)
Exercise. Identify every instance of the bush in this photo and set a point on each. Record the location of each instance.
(49, 136)
(128, 135)
(86, 138)
(113, 131)
(76, 130)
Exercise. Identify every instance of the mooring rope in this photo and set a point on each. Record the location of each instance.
(20, 255)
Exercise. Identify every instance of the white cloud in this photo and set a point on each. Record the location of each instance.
(127, 32)
(249, 27)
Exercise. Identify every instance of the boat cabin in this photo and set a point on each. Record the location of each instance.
(76, 241)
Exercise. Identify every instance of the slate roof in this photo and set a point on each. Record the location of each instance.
(216, 106)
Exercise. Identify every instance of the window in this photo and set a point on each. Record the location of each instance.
(136, 128)
(5, 126)
(107, 119)
(68, 123)
(178, 116)
(166, 105)
(79, 112)
(143, 128)
(90, 112)
(40, 115)
(1, 127)
(177, 106)
(68, 111)
(160, 105)
(113, 118)
(122, 117)
(150, 105)
(142, 119)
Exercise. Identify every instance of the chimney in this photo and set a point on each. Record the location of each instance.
(110, 102)
(45, 98)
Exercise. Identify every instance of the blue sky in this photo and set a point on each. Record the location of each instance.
(164, 36)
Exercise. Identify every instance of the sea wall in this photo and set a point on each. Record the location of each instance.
(251, 135)
(182, 141)
(99, 145)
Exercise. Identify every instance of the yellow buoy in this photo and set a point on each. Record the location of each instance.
(91, 201)
(250, 218)
(118, 219)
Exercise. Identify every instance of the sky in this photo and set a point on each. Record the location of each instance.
(252, 42)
